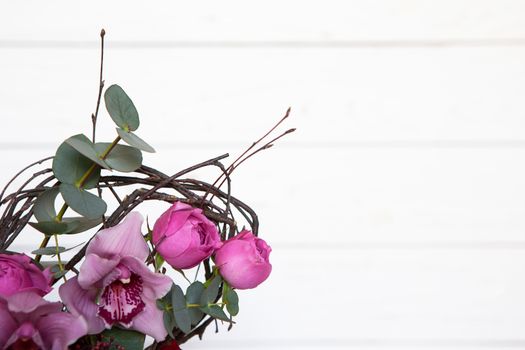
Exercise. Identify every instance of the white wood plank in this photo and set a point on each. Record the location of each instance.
(399, 299)
(428, 199)
(235, 20)
(340, 98)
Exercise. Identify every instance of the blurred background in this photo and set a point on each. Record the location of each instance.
(396, 212)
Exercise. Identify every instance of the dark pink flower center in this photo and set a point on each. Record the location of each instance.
(24, 344)
(202, 233)
(121, 301)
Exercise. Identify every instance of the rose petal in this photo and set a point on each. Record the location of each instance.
(121, 240)
(171, 220)
(81, 302)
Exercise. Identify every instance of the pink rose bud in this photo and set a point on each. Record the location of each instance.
(184, 237)
(18, 274)
(244, 261)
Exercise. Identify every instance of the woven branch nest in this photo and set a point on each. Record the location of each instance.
(219, 206)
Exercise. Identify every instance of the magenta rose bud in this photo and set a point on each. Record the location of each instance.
(19, 274)
(244, 261)
(184, 237)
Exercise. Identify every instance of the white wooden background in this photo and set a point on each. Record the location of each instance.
(397, 211)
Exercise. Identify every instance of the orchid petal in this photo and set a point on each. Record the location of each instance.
(121, 240)
(155, 285)
(94, 271)
(30, 302)
(59, 330)
(9, 325)
(150, 322)
(81, 302)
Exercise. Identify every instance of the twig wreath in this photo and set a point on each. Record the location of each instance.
(115, 290)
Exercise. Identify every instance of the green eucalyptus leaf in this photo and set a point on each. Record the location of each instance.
(216, 312)
(135, 141)
(169, 322)
(180, 310)
(82, 224)
(53, 227)
(126, 339)
(83, 202)
(121, 109)
(178, 301)
(85, 147)
(44, 207)
(121, 158)
(48, 251)
(211, 292)
(59, 274)
(69, 166)
(193, 296)
(231, 299)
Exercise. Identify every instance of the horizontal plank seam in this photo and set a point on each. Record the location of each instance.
(368, 246)
(504, 144)
(293, 44)
(321, 343)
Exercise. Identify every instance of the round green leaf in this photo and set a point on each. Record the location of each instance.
(232, 302)
(85, 147)
(82, 224)
(44, 207)
(127, 339)
(180, 310)
(193, 296)
(121, 109)
(53, 227)
(216, 312)
(169, 322)
(83, 202)
(48, 251)
(122, 158)
(135, 141)
(69, 166)
(211, 292)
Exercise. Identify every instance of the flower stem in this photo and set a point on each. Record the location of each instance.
(60, 265)
(80, 184)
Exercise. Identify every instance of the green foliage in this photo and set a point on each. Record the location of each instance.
(193, 297)
(44, 207)
(69, 166)
(121, 158)
(211, 292)
(82, 201)
(129, 340)
(54, 227)
(48, 251)
(135, 141)
(216, 312)
(121, 109)
(231, 299)
(180, 309)
(85, 147)
(66, 226)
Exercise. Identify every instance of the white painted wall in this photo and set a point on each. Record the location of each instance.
(397, 210)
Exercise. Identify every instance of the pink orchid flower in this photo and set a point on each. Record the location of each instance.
(30, 322)
(114, 286)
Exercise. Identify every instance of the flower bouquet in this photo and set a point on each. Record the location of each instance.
(129, 280)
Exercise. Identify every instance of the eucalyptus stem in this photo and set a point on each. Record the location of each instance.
(60, 265)
(80, 184)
